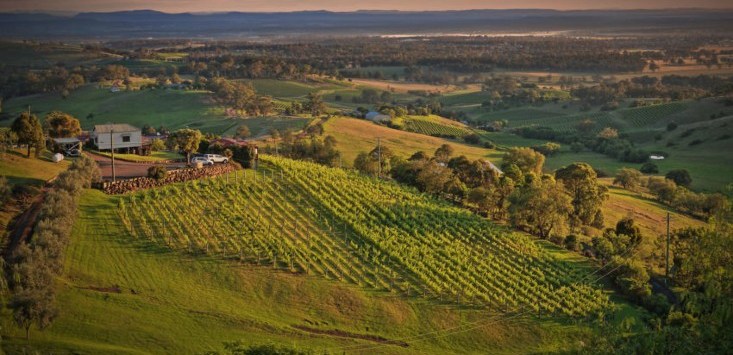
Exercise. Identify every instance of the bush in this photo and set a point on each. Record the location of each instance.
(649, 168)
(671, 126)
(489, 145)
(472, 138)
(681, 177)
(157, 172)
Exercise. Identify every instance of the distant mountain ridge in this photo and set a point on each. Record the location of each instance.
(230, 25)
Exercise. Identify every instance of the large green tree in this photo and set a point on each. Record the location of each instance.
(527, 159)
(186, 140)
(61, 125)
(581, 182)
(541, 207)
(29, 131)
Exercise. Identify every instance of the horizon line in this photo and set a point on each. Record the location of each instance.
(57, 12)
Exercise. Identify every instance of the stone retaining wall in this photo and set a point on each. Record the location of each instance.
(180, 175)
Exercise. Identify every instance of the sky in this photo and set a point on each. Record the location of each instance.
(177, 6)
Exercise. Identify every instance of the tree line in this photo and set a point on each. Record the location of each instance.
(35, 264)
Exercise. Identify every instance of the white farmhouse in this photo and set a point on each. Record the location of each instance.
(122, 136)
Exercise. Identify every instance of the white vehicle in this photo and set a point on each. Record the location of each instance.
(216, 158)
(203, 160)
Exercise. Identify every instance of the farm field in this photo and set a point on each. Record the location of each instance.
(699, 144)
(356, 135)
(375, 226)
(166, 292)
(435, 126)
(170, 108)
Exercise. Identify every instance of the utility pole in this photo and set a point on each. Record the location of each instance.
(666, 264)
(379, 157)
(112, 150)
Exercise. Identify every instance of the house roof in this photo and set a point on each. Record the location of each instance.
(117, 128)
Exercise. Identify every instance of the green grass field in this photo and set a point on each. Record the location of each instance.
(700, 144)
(171, 108)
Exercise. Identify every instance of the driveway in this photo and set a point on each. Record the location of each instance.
(125, 169)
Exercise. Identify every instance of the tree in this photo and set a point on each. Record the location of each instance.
(243, 132)
(433, 178)
(547, 149)
(628, 178)
(7, 140)
(28, 131)
(62, 125)
(631, 276)
(315, 104)
(526, 159)
(681, 177)
(541, 207)
(157, 144)
(649, 168)
(444, 152)
(626, 226)
(186, 140)
(587, 195)
(33, 306)
(608, 133)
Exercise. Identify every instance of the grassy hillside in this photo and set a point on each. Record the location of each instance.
(20, 170)
(356, 136)
(124, 291)
(700, 143)
(173, 109)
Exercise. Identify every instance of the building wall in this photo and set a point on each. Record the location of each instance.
(133, 140)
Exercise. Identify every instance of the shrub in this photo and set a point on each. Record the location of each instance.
(681, 177)
(157, 172)
(649, 168)
(671, 126)
(472, 138)
(489, 145)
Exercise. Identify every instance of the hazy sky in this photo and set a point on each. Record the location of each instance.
(342, 5)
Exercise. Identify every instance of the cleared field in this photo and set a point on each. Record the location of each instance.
(355, 136)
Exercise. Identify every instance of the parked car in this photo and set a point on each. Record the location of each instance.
(216, 158)
(202, 160)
